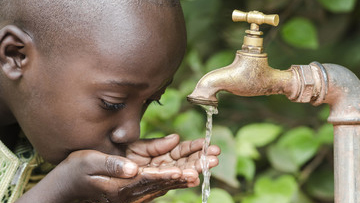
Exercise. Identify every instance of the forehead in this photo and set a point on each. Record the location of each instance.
(148, 39)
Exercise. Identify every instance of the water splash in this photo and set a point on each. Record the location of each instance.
(210, 110)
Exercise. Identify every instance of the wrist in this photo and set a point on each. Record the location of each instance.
(50, 189)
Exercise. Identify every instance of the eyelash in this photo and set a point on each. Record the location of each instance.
(150, 101)
(115, 107)
(112, 107)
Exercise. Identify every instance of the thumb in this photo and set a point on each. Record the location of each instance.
(111, 166)
(154, 147)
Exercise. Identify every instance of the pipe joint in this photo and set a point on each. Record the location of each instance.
(312, 83)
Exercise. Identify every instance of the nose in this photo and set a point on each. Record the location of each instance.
(126, 133)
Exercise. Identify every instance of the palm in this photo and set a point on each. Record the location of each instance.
(168, 152)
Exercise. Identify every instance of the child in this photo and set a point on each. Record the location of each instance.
(76, 76)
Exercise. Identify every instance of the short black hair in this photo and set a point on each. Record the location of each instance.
(49, 21)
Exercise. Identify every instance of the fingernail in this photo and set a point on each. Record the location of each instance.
(170, 136)
(175, 176)
(129, 169)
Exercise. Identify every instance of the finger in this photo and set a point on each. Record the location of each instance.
(98, 163)
(195, 183)
(154, 147)
(145, 187)
(196, 163)
(189, 175)
(161, 173)
(169, 160)
(213, 150)
(186, 148)
(163, 160)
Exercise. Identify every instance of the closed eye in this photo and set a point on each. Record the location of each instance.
(112, 106)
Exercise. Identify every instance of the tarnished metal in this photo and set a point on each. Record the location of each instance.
(250, 75)
(255, 17)
(253, 43)
(347, 163)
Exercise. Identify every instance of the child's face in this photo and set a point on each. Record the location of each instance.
(94, 98)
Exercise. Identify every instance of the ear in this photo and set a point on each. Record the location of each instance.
(15, 48)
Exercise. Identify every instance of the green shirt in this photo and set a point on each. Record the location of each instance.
(15, 169)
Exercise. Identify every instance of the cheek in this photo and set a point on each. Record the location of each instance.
(56, 126)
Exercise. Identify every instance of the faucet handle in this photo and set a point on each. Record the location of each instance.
(253, 42)
(255, 17)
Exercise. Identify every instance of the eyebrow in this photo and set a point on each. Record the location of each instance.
(127, 83)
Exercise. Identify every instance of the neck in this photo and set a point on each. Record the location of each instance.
(9, 135)
(8, 126)
(6, 116)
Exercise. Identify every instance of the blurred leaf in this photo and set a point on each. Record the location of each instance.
(325, 134)
(143, 128)
(321, 184)
(246, 149)
(301, 33)
(281, 159)
(195, 63)
(301, 144)
(293, 149)
(285, 185)
(338, 6)
(265, 198)
(190, 125)
(258, 134)
(220, 59)
(246, 167)
(187, 86)
(300, 197)
(324, 113)
(171, 101)
(219, 195)
(226, 170)
(154, 135)
(180, 196)
(187, 196)
(280, 190)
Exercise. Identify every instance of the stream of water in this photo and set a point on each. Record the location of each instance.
(210, 110)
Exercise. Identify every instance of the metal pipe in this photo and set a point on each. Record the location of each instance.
(314, 83)
(344, 99)
(347, 163)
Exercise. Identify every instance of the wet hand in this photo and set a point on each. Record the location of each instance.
(154, 155)
(163, 164)
(168, 163)
(149, 169)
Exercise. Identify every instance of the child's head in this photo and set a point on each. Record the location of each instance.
(79, 74)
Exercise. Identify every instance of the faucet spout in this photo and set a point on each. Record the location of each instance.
(248, 75)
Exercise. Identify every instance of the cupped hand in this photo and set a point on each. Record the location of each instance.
(149, 169)
(155, 155)
(164, 164)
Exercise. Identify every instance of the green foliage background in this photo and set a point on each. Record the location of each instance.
(272, 150)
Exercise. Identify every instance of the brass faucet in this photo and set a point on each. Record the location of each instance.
(250, 75)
